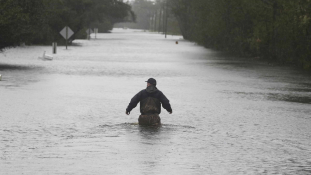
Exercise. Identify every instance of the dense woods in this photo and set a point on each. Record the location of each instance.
(275, 29)
(40, 21)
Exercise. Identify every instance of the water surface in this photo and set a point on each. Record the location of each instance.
(230, 115)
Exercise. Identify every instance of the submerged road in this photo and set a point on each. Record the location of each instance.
(230, 115)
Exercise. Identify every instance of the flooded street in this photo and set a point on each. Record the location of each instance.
(230, 116)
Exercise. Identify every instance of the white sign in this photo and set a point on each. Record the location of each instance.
(89, 31)
(66, 32)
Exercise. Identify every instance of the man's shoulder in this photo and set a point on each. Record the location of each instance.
(142, 91)
(161, 94)
(159, 91)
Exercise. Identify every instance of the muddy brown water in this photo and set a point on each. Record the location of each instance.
(230, 115)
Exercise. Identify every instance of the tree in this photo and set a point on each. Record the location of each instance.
(19, 20)
(274, 29)
(151, 16)
(39, 22)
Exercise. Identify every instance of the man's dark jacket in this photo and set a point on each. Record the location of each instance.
(150, 101)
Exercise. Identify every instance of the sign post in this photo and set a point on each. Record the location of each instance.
(89, 31)
(54, 45)
(66, 33)
(96, 31)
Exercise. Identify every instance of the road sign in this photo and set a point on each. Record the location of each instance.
(89, 31)
(66, 33)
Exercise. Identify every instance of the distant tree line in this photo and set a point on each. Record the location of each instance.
(275, 29)
(152, 15)
(40, 21)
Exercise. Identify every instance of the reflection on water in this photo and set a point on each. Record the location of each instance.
(4, 67)
(231, 115)
(290, 98)
(285, 97)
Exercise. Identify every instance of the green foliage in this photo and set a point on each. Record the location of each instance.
(18, 21)
(40, 21)
(275, 29)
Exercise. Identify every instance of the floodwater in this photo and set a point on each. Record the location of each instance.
(230, 115)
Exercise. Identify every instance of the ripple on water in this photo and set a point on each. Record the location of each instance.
(135, 127)
(19, 75)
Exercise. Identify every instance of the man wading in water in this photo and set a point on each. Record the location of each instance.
(150, 104)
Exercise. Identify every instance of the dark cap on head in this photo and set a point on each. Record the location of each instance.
(152, 81)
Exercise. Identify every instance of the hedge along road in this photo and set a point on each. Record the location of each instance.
(230, 115)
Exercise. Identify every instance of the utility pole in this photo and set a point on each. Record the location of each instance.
(155, 20)
(66, 37)
(150, 24)
(166, 16)
(89, 33)
(160, 20)
(163, 18)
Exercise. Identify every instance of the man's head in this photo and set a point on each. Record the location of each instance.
(151, 81)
